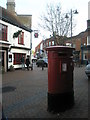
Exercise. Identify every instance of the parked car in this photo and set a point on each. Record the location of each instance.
(43, 61)
(87, 71)
(34, 59)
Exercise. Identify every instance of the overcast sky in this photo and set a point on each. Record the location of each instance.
(36, 7)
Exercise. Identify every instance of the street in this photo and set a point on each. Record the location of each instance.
(25, 94)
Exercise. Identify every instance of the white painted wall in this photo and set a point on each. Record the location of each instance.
(14, 41)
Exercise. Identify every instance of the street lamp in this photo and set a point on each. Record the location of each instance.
(30, 43)
(36, 36)
(71, 13)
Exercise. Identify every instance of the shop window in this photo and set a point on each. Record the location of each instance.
(3, 32)
(17, 58)
(21, 38)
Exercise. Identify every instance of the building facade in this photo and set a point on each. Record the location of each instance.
(14, 40)
(79, 41)
(86, 49)
(88, 30)
(26, 20)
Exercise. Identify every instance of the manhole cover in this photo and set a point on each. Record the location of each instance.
(8, 89)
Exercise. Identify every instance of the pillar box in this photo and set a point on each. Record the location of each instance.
(60, 78)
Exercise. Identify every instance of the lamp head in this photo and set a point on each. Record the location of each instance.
(76, 12)
(66, 16)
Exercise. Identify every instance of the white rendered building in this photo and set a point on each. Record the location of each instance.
(14, 40)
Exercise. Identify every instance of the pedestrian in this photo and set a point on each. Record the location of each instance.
(42, 65)
(27, 63)
(87, 62)
(23, 62)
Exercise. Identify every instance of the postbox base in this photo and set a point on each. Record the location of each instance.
(60, 102)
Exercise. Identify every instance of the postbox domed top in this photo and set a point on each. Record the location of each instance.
(59, 48)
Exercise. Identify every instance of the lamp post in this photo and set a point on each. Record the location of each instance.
(36, 36)
(30, 43)
(71, 14)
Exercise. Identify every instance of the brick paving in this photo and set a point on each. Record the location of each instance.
(28, 99)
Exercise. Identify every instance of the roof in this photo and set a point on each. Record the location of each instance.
(24, 15)
(80, 35)
(11, 18)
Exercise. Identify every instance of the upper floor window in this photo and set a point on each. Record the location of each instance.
(3, 32)
(21, 38)
(47, 44)
(52, 43)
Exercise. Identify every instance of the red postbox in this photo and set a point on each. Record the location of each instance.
(60, 78)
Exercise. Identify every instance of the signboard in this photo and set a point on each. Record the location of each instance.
(36, 33)
(64, 67)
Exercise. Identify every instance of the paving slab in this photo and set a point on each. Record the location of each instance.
(28, 98)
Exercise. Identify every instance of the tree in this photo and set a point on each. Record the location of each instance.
(55, 22)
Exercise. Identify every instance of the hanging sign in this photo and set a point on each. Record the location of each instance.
(36, 33)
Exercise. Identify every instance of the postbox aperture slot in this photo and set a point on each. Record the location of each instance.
(62, 54)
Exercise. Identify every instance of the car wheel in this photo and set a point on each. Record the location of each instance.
(88, 77)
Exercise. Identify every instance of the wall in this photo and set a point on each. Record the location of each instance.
(14, 42)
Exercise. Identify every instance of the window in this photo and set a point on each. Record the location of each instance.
(21, 38)
(52, 43)
(85, 56)
(49, 43)
(3, 32)
(17, 58)
(74, 45)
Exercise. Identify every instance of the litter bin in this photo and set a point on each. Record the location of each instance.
(60, 78)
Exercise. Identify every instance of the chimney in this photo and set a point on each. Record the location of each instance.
(11, 6)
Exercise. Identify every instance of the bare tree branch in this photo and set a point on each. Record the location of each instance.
(55, 22)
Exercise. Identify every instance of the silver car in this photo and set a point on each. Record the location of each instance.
(87, 71)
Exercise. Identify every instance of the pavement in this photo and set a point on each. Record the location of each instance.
(25, 94)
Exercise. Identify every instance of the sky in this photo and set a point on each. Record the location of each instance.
(37, 7)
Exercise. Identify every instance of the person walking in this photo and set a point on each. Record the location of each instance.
(42, 65)
(23, 62)
(27, 63)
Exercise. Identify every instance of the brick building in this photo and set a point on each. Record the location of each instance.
(79, 42)
(86, 49)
